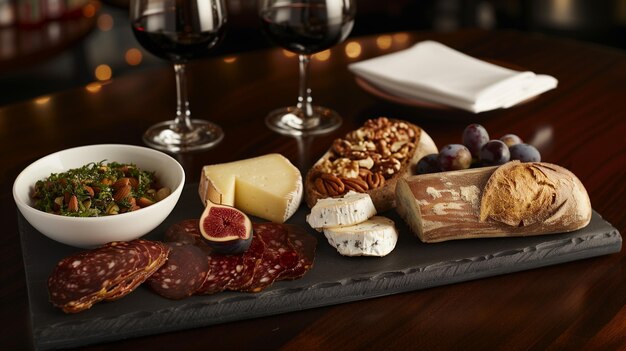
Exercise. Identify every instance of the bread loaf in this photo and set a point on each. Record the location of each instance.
(515, 199)
(369, 160)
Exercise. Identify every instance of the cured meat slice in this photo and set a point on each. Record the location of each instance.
(183, 273)
(221, 268)
(156, 254)
(186, 231)
(305, 244)
(277, 257)
(251, 258)
(276, 237)
(107, 273)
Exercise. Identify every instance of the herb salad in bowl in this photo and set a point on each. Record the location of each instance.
(90, 195)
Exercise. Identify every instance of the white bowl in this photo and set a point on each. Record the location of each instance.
(88, 232)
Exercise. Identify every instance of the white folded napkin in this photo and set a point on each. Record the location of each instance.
(434, 72)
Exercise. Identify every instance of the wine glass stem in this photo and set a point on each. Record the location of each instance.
(304, 94)
(183, 114)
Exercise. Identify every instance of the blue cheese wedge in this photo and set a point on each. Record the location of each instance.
(351, 209)
(376, 236)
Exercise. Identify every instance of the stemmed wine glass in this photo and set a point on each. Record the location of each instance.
(178, 31)
(306, 27)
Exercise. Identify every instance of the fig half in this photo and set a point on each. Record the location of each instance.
(226, 229)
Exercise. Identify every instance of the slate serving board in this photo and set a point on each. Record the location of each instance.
(334, 279)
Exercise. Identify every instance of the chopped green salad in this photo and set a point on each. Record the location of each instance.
(98, 189)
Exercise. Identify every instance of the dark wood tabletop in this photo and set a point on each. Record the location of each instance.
(581, 125)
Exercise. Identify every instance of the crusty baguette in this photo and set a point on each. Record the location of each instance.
(383, 197)
(515, 199)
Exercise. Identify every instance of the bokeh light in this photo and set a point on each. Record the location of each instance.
(93, 87)
(384, 42)
(322, 55)
(353, 49)
(288, 53)
(133, 57)
(105, 22)
(103, 72)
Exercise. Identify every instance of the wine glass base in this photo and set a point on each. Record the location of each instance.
(166, 136)
(291, 121)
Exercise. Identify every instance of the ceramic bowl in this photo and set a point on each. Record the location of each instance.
(89, 232)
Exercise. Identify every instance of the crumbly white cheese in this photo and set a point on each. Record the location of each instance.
(348, 210)
(375, 237)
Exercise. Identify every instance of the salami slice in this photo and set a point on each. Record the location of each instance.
(251, 258)
(156, 254)
(221, 268)
(276, 237)
(305, 244)
(183, 273)
(107, 273)
(276, 259)
(187, 232)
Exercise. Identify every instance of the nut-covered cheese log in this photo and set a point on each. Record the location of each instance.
(515, 199)
(369, 160)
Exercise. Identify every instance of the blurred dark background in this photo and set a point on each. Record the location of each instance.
(81, 42)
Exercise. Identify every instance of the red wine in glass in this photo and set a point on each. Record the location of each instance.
(179, 31)
(306, 27)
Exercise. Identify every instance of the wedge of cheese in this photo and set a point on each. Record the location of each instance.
(268, 186)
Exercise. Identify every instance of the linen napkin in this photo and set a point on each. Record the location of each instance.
(434, 72)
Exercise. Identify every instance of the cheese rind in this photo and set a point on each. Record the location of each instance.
(268, 186)
(375, 237)
(348, 210)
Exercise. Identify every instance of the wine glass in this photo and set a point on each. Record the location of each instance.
(306, 27)
(178, 31)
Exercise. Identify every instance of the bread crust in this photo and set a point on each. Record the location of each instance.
(382, 197)
(515, 199)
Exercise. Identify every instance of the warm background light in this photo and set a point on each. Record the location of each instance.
(42, 100)
(353, 49)
(322, 55)
(230, 59)
(288, 53)
(103, 72)
(401, 38)
(89, 10)
(133, 57)
(105, 22)
(93, 87)
(384, 42)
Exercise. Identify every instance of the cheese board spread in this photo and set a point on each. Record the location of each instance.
(334, 278)
(231, 263)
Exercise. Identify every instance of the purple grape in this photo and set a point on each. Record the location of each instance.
(428, 164)
(495, 152)
(453, 157)
(511, 139)
(474, 137)
(525, 153)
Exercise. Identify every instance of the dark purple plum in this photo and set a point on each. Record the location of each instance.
(495, 152)
(474, 137)
(525, 153)
(454, 157)
(428, 164)
(511, 139)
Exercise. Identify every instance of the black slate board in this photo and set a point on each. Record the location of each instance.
(334, 279)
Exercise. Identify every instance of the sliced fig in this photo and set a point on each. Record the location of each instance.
(226, 229)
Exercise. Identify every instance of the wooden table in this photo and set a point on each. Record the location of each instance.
(581, 125)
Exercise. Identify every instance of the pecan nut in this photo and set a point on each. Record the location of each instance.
(355, 184)
(329, 184)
